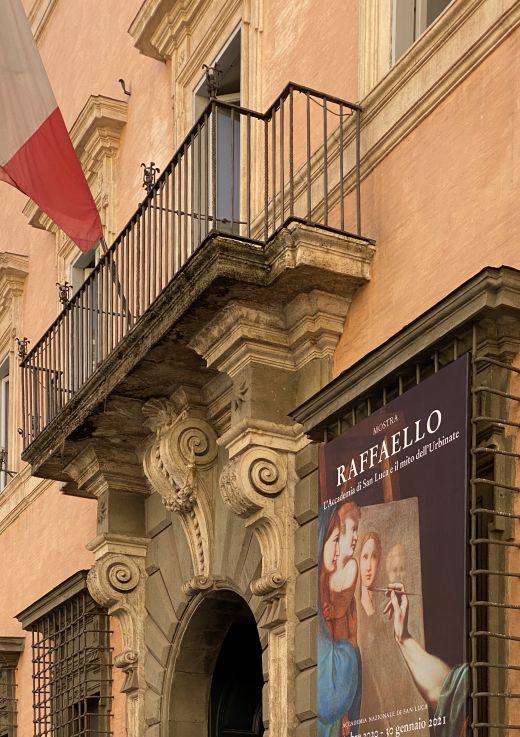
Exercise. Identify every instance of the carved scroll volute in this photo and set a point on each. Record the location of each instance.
(117, 582)
(251, 478)
(250, 484)
(178, 463)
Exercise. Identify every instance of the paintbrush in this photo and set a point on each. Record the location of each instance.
(397, 591)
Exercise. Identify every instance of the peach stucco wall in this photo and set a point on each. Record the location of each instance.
(310, 42)
(442, 205)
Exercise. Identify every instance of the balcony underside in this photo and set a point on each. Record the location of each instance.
(155, 358)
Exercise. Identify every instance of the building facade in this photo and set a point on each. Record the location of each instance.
(328, 216)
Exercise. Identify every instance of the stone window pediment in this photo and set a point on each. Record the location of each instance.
(159, 23)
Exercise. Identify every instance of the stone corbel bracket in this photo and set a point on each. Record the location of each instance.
(117, 582)
(257, 484)
(178, 463)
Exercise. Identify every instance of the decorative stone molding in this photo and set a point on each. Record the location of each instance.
(243, 333)
(375, 42)
(127, 662)
(308, 327)
(117, 581)
(39, 16)
(189, 33)
(10, 650)
(196, 584)
(100, 468)
(14, 268)
(95, 135)
(159, 22)
(455, 44)
(113, 576)
(178, 463)
(256, 473)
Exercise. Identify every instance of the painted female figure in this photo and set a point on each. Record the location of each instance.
(339, 663)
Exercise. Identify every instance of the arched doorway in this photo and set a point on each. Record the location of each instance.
(216, 675)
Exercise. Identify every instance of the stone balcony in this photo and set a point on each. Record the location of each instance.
(240, 257)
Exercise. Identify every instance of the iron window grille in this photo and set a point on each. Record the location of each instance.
(7, 701)
(10, 649)
(71, 661)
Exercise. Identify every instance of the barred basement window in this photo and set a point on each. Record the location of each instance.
(71, 662)
(10, 649)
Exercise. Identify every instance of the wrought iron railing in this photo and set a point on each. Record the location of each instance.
(238, 173)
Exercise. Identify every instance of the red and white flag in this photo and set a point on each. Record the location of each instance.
(36, 153)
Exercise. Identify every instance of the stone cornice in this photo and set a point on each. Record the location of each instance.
(482, 295)
(60, 594)
(160, 25)
(145, 24)
(94, 472)
(39, 15)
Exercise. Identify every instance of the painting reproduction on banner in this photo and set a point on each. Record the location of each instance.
(392, 575)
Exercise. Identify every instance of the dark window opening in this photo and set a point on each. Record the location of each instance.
(236, 688)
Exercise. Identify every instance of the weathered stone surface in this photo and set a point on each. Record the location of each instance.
(156, 641)
(306, 498)
(158, 601)
(307, 594)
(154, 673)
(157, 517)
(309, 728)
(305, 643)
(265, 704)
(306, 546)
(152, 707)
(218, 501)
(300, 260)
(307, 460)
(306, 694)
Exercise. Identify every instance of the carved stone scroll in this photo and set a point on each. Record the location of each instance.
(116, 582)
(178, 463)
(246, 483)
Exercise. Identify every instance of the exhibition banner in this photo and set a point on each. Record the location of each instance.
(393, 562)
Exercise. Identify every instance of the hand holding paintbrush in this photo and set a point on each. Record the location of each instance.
(388, 590)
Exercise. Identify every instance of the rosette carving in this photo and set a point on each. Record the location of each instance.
(178, 464)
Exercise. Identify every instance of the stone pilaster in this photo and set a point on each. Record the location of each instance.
(112, 475)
